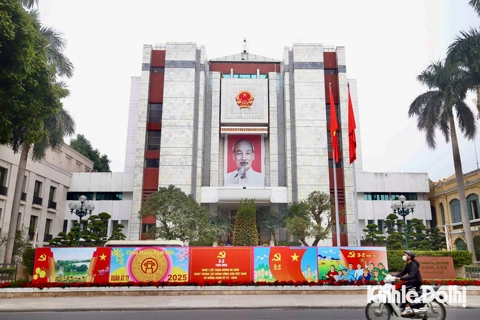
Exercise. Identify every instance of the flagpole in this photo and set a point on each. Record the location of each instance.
(357, 222)
(337, 219)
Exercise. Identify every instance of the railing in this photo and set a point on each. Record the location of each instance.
(472, 272)
(52, 205)
(3, 190)
(24, 196)
(37, 200)
(8, 272)
(47, 237)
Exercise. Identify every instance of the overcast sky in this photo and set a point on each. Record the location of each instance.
(388, 43)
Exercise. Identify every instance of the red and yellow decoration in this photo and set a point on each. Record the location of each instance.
(244, 99)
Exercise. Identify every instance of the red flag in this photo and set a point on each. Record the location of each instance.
(333, 127)
(352, 139)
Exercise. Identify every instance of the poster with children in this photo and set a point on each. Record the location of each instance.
(352, 263)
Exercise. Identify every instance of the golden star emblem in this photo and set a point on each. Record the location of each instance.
(294, 257)
(103, 256)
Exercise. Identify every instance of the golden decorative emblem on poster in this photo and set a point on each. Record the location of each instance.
(244, 99)
(149, 265)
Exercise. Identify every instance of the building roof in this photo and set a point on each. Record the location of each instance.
(246, 57)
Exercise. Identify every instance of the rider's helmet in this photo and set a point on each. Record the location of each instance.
(410, 253)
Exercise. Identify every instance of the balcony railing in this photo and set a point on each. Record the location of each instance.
(3, 190)
(47, 237)
(37, 200)
(52, 205)
(24, 196)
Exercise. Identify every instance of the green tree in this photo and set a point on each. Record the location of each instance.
(311, 218)
(437, 108)
(373, 235)
(219, 225)
(30, 95)
(101, 163)
(178, 216)
(390, 223)
(245, 229)
(270, 220)
(395, 241)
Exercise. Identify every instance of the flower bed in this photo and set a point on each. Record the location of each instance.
(24, 284)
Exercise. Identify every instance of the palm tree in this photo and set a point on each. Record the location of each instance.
(474, 3)
(435, 109)
(56, 126)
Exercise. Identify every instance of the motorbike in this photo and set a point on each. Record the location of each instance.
(381, 308)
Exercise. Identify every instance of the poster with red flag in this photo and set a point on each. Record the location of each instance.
(352, 263)
(44, 266)
(352, 139)
(217, 264)
(333, 126)
(284, 264)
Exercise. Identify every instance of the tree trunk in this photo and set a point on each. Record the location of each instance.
(478, 101)
(16, 203)
(457, 162)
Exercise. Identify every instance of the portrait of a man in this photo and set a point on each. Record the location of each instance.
(245, 158)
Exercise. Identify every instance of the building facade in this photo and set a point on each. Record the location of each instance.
(445, 207)
(44, 191)
(189, 116)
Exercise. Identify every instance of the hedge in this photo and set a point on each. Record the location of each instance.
(460, 257)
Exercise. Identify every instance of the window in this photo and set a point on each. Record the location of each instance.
(152, 163)
(442, 212)
(460, 244)
(48, 226)
(65, 226)
(33, 224)
(147, 227)
(157, 69)
(38, 189)
(370, 222)
(51, 195)
(73, 196)
(455, 209)
(433, 223)
(226, 76)
(3, 181)
(339, 164)
(380, 225)
(472, 205)
(155, 112)
(408, 196)
(331, 71)
(375, 196)
(108, 196)
(153, 140)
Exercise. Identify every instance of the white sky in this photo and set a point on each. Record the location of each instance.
(388, 43)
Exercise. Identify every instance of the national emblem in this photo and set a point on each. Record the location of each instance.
(244, 99)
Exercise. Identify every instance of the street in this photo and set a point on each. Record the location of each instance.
(231, 314)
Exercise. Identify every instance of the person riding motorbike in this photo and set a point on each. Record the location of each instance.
(410, 273)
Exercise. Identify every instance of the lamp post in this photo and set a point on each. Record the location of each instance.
(403, 208)
(81, 209)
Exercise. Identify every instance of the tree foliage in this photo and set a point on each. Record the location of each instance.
(245, 229)
(101, 163)
(29, 90)
(93, 233)
(178, 216)
(373, 235)
(311, 218)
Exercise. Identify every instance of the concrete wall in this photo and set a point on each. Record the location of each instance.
(132, 124)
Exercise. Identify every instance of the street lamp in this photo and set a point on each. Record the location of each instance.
(81, 209)
(403, 208)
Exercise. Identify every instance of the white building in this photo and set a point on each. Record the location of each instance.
(44, 191)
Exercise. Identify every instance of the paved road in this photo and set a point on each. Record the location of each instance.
(273, 314)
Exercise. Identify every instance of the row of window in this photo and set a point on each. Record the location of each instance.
(99, 196)
(243, 76)
(388, 227)
(387, 196)
(456, 215)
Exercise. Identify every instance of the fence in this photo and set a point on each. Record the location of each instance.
(472, 272)
(8, 272)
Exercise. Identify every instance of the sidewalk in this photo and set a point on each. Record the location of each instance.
(121, 303)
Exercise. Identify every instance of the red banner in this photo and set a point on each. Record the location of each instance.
(285, 263)
(44, 270)
(220, 264)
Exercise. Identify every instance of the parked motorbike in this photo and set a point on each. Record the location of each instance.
(381, 308)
